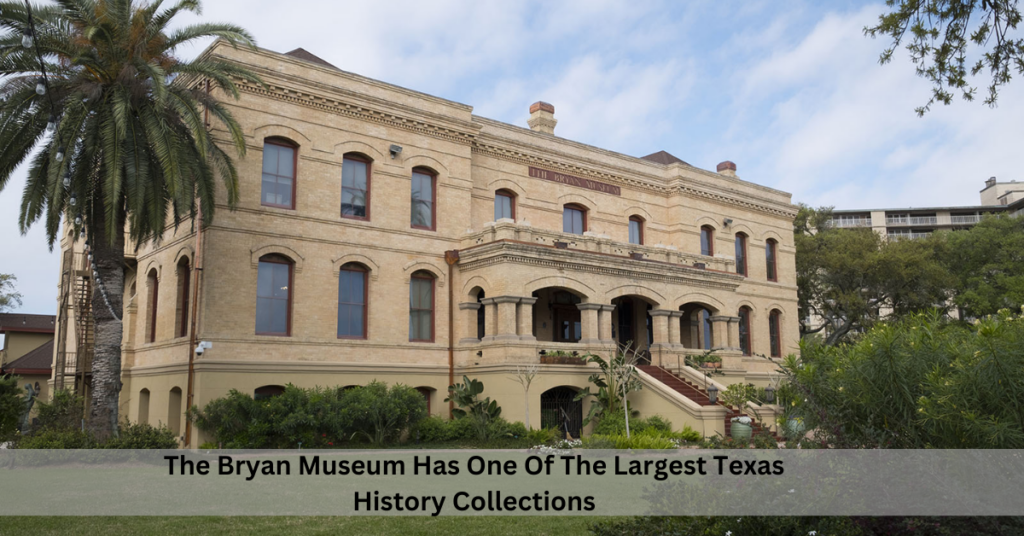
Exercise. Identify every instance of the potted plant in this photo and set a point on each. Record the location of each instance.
(711, 361)
(741, 428)
(794, 427)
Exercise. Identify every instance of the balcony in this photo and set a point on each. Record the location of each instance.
(969, 219)
(911, 220)
(903, 233)
(857, 221)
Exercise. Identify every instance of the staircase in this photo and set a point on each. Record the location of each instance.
(696, 393)
(81, 298)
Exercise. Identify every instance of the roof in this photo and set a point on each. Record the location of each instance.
(306, 55)
(18, 322)
(662, 157)
(37, 361)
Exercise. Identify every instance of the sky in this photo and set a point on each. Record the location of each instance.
(791, 92)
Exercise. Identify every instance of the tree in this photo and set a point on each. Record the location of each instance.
(127, 147)
(8, 295)
(617, 379)
(940, 35)
(849, 278)
(987, 265)
(524, 376)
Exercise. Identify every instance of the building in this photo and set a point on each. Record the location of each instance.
(28, 349)
(387, 234)
(995, 198)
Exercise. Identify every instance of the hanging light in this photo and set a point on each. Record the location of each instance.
(769, 394)
(73, 200)
(51, 124)
(41, 86)
(67, 179)
(60, 155)
(712, 394)
(78, 220)
(26, 38)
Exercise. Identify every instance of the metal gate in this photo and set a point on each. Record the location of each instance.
(559, 410)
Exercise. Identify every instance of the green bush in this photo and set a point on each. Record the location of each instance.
(653, 426)
(634, 441)
(544, 436)
(436, 429)
(480, 412)
(380, 414)
(52, 438)
(11, 406)
(64, 411)
(142, 436)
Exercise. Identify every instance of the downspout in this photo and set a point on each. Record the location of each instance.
(452, 258)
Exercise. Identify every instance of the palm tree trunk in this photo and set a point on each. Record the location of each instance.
(107, 310)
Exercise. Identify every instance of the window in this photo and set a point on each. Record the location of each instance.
(425, 392)
(143, 407)
(706, 328)
(574, 219)
(707, 241)
(636, 230)
(741, 254)
(278, 174)
(184, 276)
(174, 410)
(153, 285)
(355, 187)
(352, 299)
(770, 250)
(421, 307)
(274, 296)
(504, 205)
(568, 325)
(745, 330)
(267, 391)
(423, 199)
(481, 316)
(775, 333)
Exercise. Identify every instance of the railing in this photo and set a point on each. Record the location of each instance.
(911, 234)
(961, 220)
(851, 222)
(911, 220)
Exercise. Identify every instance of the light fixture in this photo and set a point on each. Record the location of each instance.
(41, 86)
(51, 124)
(395, 150)
(769, 394)
(78, 220)
(60, 155)
(26, 38)
(67, 180)
(713, 394)
(727, 221)
(73, 200)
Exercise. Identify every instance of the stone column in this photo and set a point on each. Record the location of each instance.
(673, 329)
(695, 334)
(490, 319)
(660, 318)
(605, 324)
(588, 323)
(734, 332)
(506, 318)
(469, 319)
(720, 332)
(526, 319)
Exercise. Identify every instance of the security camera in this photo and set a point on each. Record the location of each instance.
(395, 150)
(200, 349)
(203, 346)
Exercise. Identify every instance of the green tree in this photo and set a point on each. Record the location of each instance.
(127, 147)
(8, 295)
(987, 265)
(849, 278)
(949, 38)
(11, 406)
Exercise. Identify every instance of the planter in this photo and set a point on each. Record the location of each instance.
(740, 431)
(562, 360)
(795, 428)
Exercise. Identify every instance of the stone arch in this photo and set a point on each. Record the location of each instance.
(567, 283)
(704, 219)
(637, 210)
(294, 256)
(153, 264)
(280, 131)
(342, 260)
(647, 293)
(578, 199)
(771, 233)
(476, 281)
(185, 251)
(736, 228)
(429, 162)
(713, 304)
(358, 147)
(505, 184)
(430, 267)
(745, 303)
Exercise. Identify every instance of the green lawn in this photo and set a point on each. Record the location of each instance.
(404, 526)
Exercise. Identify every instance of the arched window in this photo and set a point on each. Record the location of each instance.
(267, 391)
(424, 197)
(745, 342)
(574, 219)
(481, 316)
(775, 332)
(770, 254)
(421, 307)
(504, 205)
(274, 296)
(636, 230)
(184, 272)
(707, 241)
(143, 407)
(174, 410)
(153, 291)
(741, 254)
(352, 301)
(355, 187)
(280, 158)
(426, 392)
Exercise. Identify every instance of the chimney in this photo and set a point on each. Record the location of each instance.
(727, 168)
(990, 182)
(542, 118)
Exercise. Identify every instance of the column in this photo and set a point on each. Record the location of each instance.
(673, 329)
(490, 319)
(720, 329)
(588, 323)
(469, 322)
(734, 332)
(695, 334)
(526, 319)
(660, 320)
(506, 317)
(605, 324)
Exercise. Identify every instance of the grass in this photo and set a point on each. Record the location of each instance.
(404, 526)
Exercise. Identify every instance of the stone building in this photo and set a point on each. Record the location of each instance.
(388, 234)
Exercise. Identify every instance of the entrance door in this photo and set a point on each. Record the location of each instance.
(559, 409)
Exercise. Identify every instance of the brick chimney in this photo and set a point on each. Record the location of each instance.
(542, 118)
(727, 168)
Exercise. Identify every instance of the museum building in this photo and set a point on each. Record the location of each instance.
(386, 234)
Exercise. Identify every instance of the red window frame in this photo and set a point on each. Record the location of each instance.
(744, 314)
(640, 224)
(352, 267)
(512, 200)
(369, 174)
(775, 332)
(154, 298)
(187, 271)
(583, 212)
(433, 199)
(275, 259)
(741, 251)
(771, 251)
(281, 142)
(710, 240)
(433, 298)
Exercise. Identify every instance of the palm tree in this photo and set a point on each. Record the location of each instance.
(112, 125)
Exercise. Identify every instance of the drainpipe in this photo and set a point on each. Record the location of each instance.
(452, 258)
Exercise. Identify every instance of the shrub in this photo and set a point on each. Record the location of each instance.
(544, 436)
(64, 411)
(52, 438)
(636, 442)
(653, 426)
(480, 412)
(380, 414)
(11, 406)
(142, 436)
(436, 429)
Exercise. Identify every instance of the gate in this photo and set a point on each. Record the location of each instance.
(559, 410)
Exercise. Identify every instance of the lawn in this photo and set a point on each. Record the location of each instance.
(404, 526)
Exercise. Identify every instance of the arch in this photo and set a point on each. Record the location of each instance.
(435, 270)
(174, 410)
(359, 148)
(279, 131)
(712, 303)
(637, 210)
(346, 258)
(439, 170)
(741, 228)
(143, 415)
(575, 198)
(749, 305)
(775, 319)
(153, 301)
(268, 391)
(185, 251)
(567, 283)
(183, 271)
(650, 295)
(428, 395)
(771, 234)
(512, 196)
(560, 409)
(475, 281)
(704, 219)
(153, 265)
(278, 249)
(505, 184)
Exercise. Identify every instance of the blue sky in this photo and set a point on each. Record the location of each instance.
(792, 92)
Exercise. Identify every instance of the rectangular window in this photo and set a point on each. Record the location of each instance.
(503, 207)
(707, 244)
(573, 221)
(352, 304)
(745, 330)
(355, 189)
(741, 254)
(421, 309)
(769, 257)
(774, 334)
(422, 200)
(278, 175)
(636, 232)
(273, 298)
